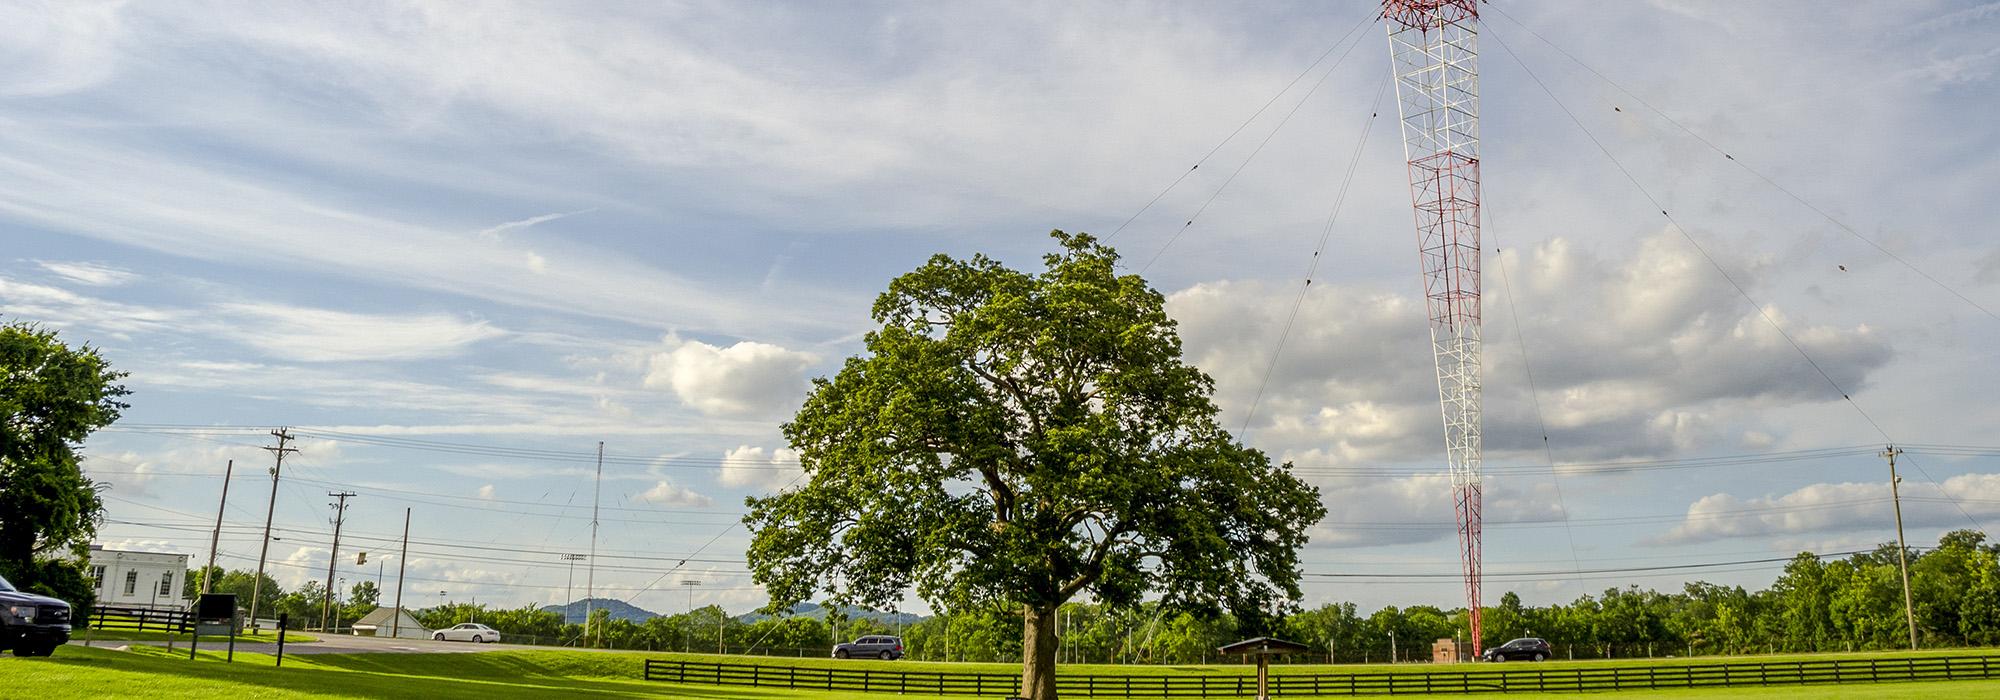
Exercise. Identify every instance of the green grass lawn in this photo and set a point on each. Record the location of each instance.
(149, 672)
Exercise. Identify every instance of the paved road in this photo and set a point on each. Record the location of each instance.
(340, 644)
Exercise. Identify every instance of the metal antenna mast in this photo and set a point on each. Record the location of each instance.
(1433, 50)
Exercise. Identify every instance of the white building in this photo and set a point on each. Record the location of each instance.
(138, 579)
(382, 622)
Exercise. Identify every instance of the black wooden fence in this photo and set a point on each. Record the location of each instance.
(112, 617)
(1514, 679)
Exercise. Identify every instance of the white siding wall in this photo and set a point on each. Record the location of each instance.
(139, 578)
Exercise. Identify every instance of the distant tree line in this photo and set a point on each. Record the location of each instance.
(1815, 605)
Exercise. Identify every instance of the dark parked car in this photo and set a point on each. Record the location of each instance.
(31, 625)
(1523, 649)
(871, 647)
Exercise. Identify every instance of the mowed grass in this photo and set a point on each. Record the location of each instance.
(146, 672)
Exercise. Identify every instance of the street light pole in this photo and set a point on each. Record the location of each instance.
(569, 588)
(687, 644)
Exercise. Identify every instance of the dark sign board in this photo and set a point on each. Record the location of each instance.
(216, 606)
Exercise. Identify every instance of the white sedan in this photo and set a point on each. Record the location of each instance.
(468, 632)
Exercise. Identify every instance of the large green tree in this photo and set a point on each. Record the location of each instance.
(1022, 438)
(51, 397)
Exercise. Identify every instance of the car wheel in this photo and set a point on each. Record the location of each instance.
(1539, 656)
(477, 640)
(842, 654)
(1499, 658)
(439, 636)
(48, 650)
(23, 651)
(887, 656)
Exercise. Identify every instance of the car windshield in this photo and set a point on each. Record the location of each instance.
(4, 585)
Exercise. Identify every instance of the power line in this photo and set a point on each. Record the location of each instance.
(1247, 159)
(1365, 21)
(1312, 266)
(1741, 291)
(1842, 225)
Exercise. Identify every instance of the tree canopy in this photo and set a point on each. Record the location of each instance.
(1023, 438)
(51, 397)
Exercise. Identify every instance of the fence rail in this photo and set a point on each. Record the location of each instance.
(112, 617)
(1515, 679)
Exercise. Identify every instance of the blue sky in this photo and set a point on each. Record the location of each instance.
(535, 226)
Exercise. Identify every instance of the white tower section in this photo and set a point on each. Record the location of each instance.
(1434, 53)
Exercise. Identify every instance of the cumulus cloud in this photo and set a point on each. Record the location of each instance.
(1639, 356)
(668, 493)
(484, 492)
(1825, 508)
(88, 273)
(756, 467)
(747, 378)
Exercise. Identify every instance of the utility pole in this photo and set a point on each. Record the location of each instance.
(396, 627)
(590, 576)
(339, 518)
(257, 584)
(569, 588)
(1902, 550)
(215, 539)
(687, 644)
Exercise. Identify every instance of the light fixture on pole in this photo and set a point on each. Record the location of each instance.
(687, 643)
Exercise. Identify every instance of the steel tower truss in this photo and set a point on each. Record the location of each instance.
(1434, 53)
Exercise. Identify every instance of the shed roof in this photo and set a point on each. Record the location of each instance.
(1263, 645)
(380, 617)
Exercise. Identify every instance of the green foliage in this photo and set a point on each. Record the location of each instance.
(51, 398)
(1852, 604)
(1018, 438)
(66, 579)
(240, 583)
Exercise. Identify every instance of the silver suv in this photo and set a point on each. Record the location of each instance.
(878, 646)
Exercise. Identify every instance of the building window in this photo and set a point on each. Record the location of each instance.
(167, 584)
(131, 582)
(97, 577)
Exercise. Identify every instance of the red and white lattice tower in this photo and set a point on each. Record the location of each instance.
(1433, 51)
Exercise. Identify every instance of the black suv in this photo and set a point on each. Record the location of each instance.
(1523, 649)
(871, 647)
(31, 625)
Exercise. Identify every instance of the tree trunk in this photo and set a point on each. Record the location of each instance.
(1038, 652)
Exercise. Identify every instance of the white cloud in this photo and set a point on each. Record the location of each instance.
(89, 273)
(747, 378)
(323, 335)
(668, 493)
(1830, 508)
(756, 467)
(494, 232)
(59, 47)
(1364, 511)
(62, 308)
(484, 492)
(1640, 356)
